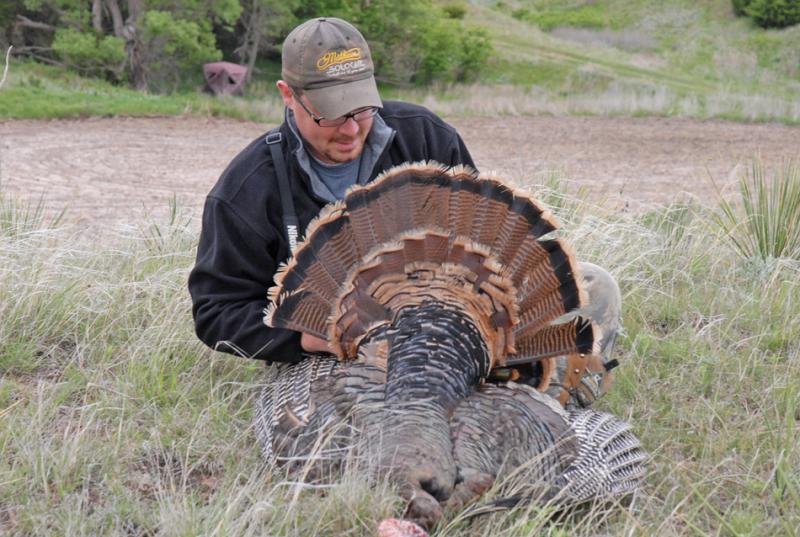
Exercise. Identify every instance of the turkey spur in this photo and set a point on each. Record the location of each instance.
(466, 346)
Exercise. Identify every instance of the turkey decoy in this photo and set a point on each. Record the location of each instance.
(457, 334)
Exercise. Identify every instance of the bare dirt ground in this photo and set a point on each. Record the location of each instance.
(117, 170)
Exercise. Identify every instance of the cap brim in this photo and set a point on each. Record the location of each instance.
(336, 101)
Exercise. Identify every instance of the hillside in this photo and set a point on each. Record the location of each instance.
(677, 57)
(597, 57)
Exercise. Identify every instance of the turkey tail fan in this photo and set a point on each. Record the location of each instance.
(550, 288)
(422, 232)
(326, 256)
(404, 198)
(580, 335)
(302, 311)
(422, 267)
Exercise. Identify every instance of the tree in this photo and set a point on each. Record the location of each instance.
(413, 41)
(263, 24)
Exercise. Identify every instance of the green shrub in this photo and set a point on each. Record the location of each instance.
(450, 53)
(774, 13)
(219, 12)
(521, 14)
(455, 11)
(176, 48)
(740, 7)
(413, 41)
(89, 53)
(766, 222)
(476, 47)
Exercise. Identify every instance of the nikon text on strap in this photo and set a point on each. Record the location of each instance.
(290, 221)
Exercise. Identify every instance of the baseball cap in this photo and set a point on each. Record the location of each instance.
(330, 61)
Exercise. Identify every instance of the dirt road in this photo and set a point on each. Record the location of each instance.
(112, 170)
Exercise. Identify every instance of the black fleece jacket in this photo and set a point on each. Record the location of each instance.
(242, 241)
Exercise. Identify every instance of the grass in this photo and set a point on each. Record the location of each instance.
(35, 91)
(114, 420)
(18, 218)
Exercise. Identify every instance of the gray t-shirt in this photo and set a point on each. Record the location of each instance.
(337, 178)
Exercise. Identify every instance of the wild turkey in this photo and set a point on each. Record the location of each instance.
(450, 312)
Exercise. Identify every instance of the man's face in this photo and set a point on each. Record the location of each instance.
(331, 145)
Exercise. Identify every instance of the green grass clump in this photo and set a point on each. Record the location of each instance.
(538, 73)
(585, 16)
(764, 222)
(18, 218)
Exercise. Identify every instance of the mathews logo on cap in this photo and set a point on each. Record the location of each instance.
(333, 58)
(330, 61)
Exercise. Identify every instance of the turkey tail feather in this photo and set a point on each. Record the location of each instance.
(577, 336)
(423, 233)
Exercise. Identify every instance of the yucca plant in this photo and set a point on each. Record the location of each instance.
(765, 222)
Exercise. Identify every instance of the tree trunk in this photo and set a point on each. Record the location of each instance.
(133, 43)
(254, 24)
(97, 16)
(252, 56)
(116, 16)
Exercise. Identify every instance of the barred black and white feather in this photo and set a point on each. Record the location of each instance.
(286, 392)
(610, 462)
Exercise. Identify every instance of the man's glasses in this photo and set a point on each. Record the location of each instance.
(358, 115)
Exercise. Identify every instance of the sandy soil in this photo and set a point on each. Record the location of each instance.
(113, 170)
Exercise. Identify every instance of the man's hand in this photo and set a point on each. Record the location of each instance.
(311, 343)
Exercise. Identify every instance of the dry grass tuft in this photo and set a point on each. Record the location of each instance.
(613, 98)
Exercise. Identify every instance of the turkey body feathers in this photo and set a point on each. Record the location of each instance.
(423, 282)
